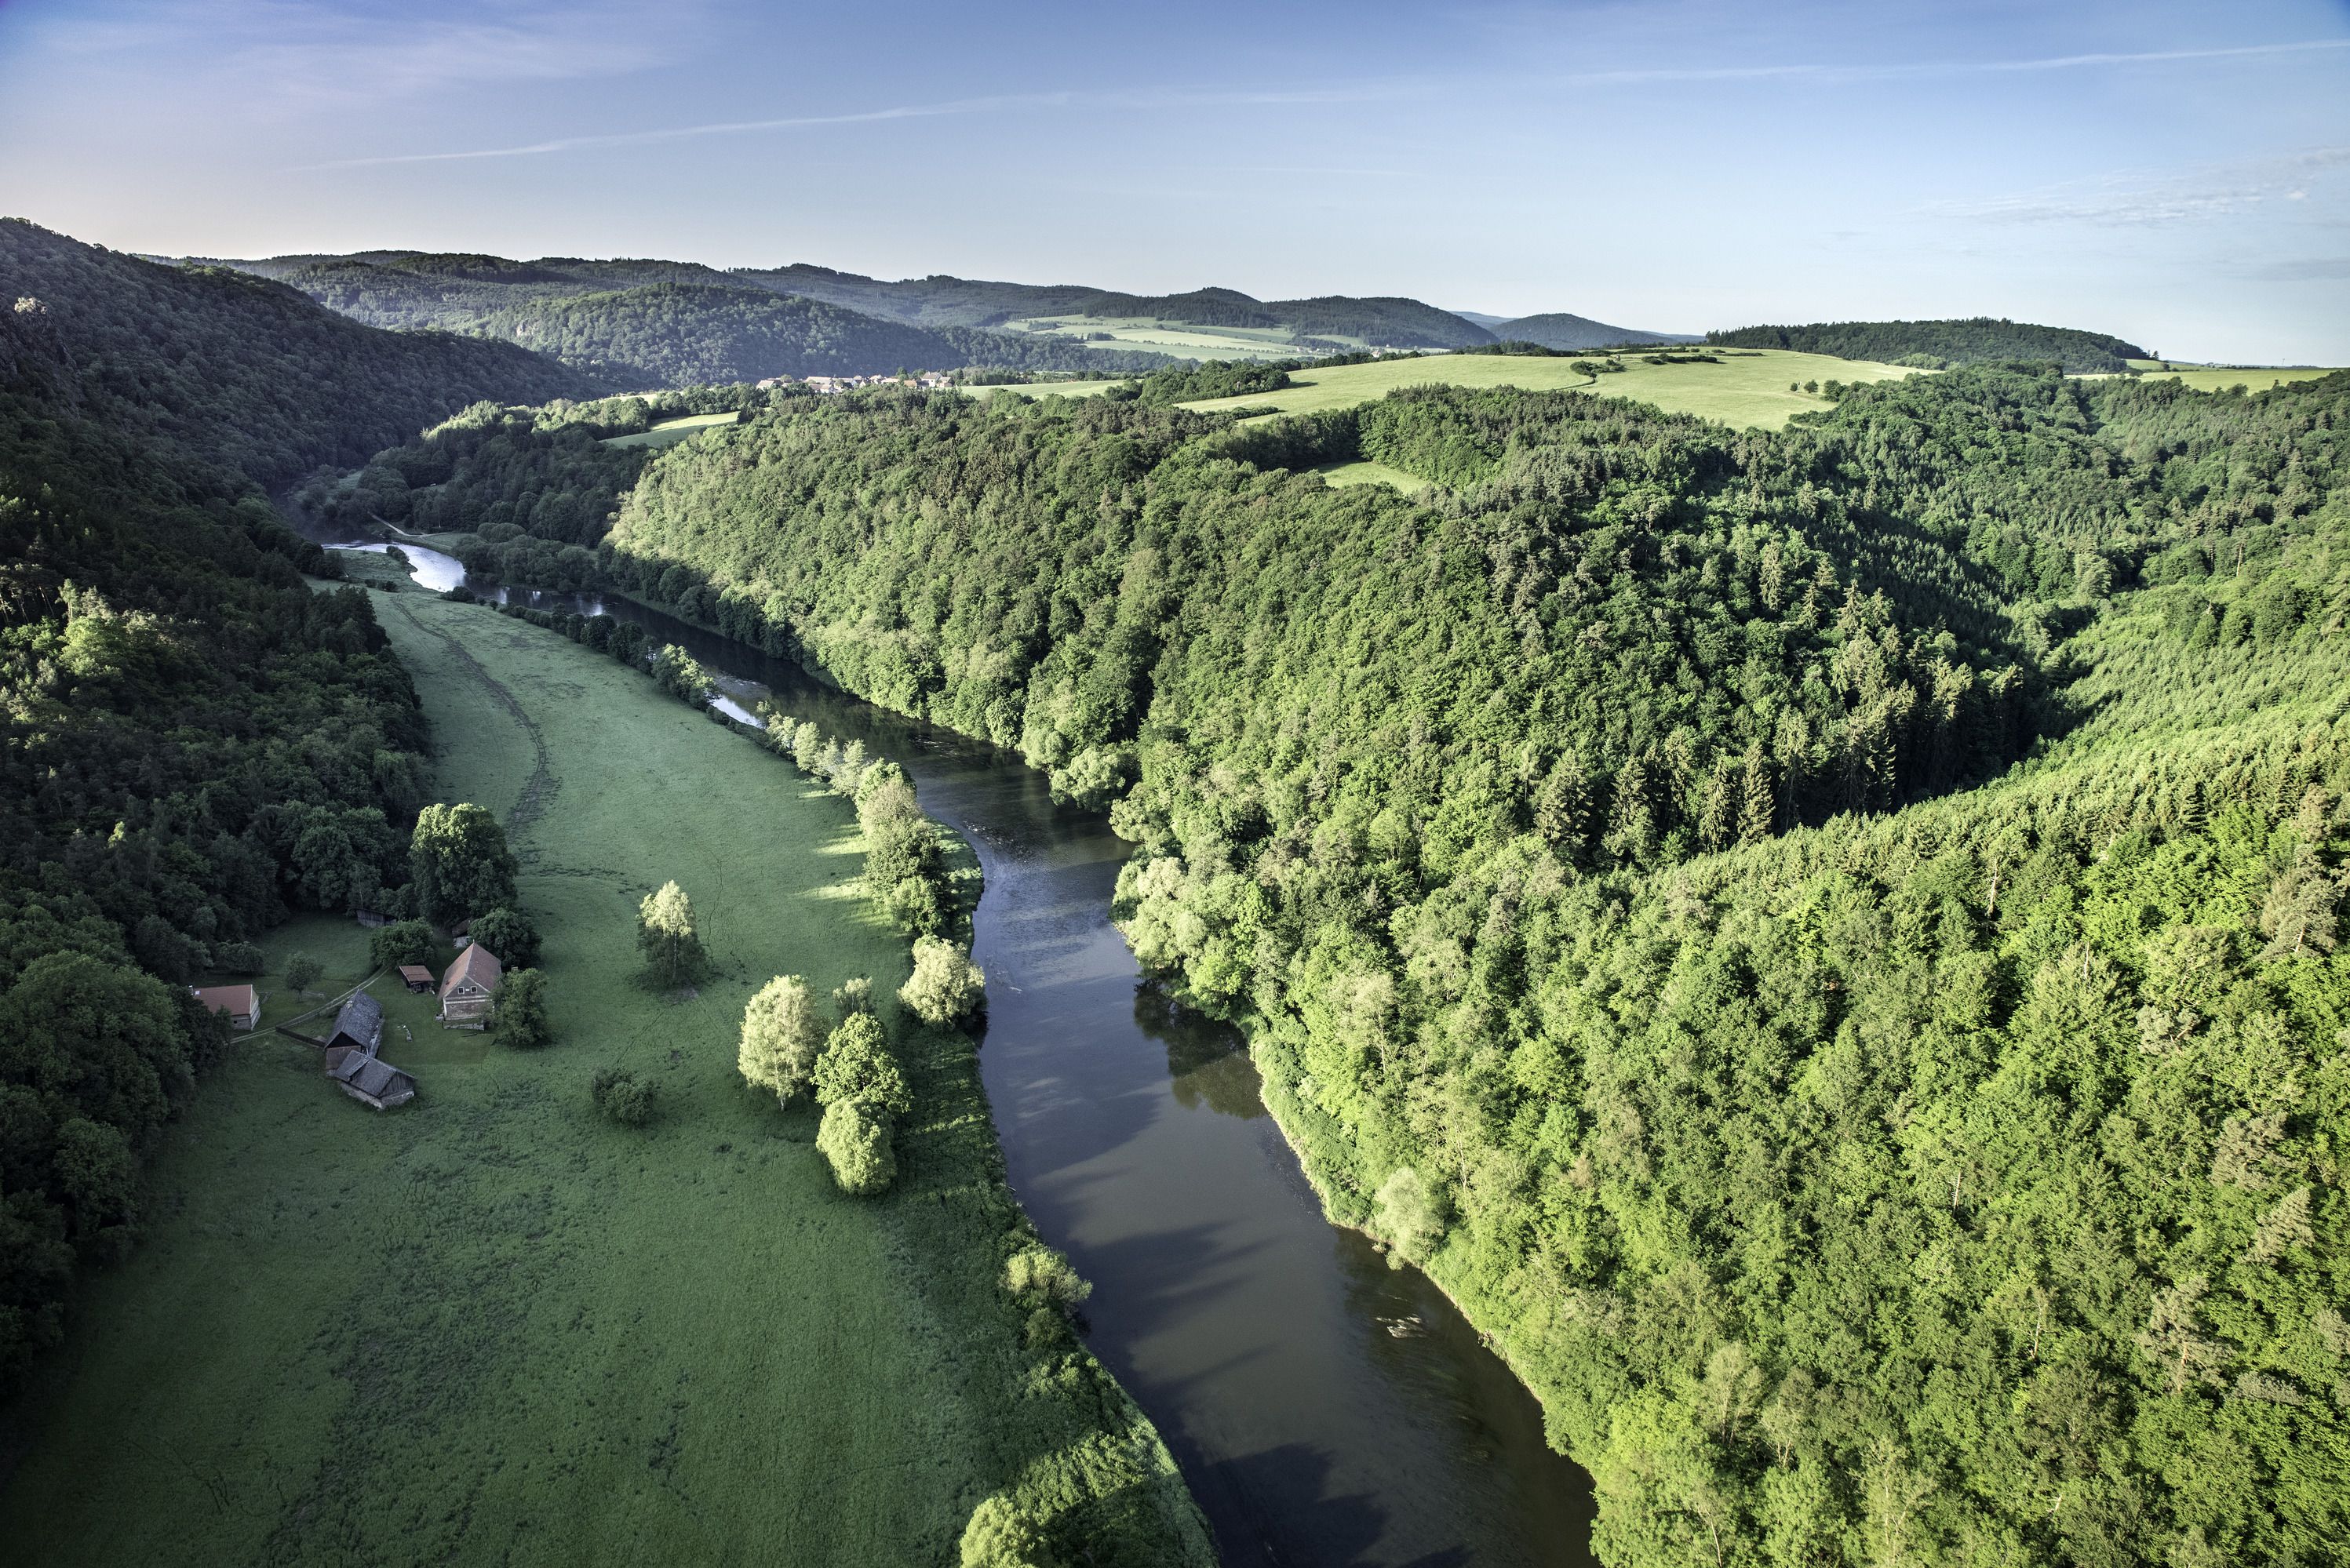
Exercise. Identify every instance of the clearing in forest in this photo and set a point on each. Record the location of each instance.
(670, 431)
(494, 1327)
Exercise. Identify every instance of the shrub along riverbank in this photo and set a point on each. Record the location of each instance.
(508, 1324)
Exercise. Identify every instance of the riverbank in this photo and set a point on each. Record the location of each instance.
(496, 1327)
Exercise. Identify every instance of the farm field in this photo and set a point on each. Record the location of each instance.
(1745, 390)
(493, 1327)
(1190, 341)
(670, 431)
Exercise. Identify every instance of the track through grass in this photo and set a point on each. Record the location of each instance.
(493, 1327)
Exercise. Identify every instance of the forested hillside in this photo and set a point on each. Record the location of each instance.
(194, 742)
(1935, 345)
(1870, 1151)
(241, 372)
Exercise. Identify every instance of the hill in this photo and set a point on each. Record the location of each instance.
(1560, 330)
(961, 302)
(1827, 942)
(241, 372)
(646, 324)
(1978, 340)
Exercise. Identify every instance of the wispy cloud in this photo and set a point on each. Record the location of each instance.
(999, 104)
(1866, 71)
(2314, 269)
(2212, 191)
(267, 52)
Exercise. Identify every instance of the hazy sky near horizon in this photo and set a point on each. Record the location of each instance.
(2178, 174)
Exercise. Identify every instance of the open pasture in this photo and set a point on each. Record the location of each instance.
(493, 1327)
(670, 431)
(1746, 388)
(2218, 378)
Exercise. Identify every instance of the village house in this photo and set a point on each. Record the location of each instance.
(241, 1002)
(469, 988)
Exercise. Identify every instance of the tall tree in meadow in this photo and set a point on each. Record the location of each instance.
(782, 1034)
(460, 861)
(667, 936)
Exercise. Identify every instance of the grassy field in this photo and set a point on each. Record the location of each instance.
(1368, 472)
(1745, 390)
(1189, 340)
(492, 1327)
(670, 431)
(2209, 379)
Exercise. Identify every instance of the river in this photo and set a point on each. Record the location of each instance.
(1325, 1407)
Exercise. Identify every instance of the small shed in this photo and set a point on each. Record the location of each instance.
(470, 989)
(416, 977)
(358, 1026)
(371, 1080)
(241, 1002)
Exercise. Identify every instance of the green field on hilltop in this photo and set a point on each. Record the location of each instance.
(493, 1327)
(1745, 390)
(2217, 378)
(671, 431)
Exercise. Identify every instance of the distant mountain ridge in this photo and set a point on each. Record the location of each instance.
(1973, 340)
(1557, 329)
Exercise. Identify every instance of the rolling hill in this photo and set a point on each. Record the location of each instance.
(1976, 340)
(1558, 330)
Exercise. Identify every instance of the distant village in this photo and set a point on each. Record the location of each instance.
(934, 381)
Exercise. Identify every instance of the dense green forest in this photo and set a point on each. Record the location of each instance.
(195, 742)
(1825, 942)
(1936, 345)
(238, 372)
(1557, 329)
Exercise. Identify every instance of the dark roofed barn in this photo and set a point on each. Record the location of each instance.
(358, 1026)
(372, 1081)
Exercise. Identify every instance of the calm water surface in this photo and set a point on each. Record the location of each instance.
(1326, 1408)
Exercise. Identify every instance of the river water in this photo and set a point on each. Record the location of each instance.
(1325, 1407)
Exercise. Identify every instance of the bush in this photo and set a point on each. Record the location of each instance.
(519, 1019)
(1001, 1535)
(624, 1098)
(946, 987)
(238, 957)
(854, 1137)
(509, 933)
(1040, 1277)
(403, 942)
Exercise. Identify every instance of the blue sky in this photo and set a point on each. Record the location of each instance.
(2177, 173)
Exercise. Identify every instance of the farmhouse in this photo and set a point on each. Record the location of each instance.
(469, 988)
(241, 1002)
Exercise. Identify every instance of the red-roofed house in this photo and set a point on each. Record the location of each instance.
(241, 1002)
(469, 988)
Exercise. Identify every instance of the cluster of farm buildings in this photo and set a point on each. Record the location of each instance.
(934, 381)
(352, 1050)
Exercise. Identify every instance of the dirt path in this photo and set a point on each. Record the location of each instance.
(538, 791)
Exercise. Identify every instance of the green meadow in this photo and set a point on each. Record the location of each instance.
(493, 1327)
(1188, 340)
(670, 431)
(1744, 388)
(2219, 379)
(1366, 471)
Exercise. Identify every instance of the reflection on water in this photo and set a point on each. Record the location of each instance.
(1327, 1409)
